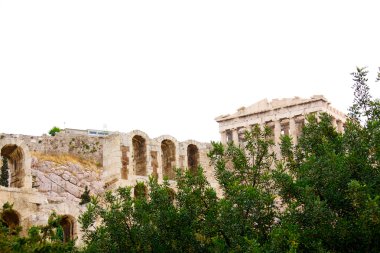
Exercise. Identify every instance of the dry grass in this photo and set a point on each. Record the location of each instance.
(64, 159)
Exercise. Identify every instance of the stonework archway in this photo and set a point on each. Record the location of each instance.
(192, 157)
(168, 158)
(10, 219)
(15, 157)
(172, 194)
(139, 155)
(140, 191)
(18, 157)
(68, 226)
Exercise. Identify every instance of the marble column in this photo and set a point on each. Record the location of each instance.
(241, 133)
(235, 136)
(223, 137)
(293, 130)
(300, 122)
(277, 135)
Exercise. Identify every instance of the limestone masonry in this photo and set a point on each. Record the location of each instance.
(284, 116)
(49, 173)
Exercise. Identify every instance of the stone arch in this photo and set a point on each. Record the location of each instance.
(19, 161)
(10, 219)
(139, 155)
(171, 194)
(168, 158)
(140, 191)
(68, 225)
(192, 157)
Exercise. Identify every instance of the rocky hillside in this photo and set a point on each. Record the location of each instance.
(64, 177)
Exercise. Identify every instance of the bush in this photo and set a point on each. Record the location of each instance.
(54, 130)
(4, 174)
(85, 197)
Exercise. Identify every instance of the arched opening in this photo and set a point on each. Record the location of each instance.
(140, 191)
(10, 219)
(168, 159)
(68, 225)
(14, 156)
(171, 193)
(139, 155)
(192, 157)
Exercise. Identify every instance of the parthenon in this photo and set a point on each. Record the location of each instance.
(284, 116)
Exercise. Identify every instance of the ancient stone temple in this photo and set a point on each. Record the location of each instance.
(284, 116)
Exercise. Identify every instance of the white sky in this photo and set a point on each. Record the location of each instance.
(171, 67)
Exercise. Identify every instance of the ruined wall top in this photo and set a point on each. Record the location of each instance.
(266, 105)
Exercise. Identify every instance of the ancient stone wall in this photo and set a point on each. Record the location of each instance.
(48, 184)
(49, 173)
(140, 156)
(84, 146)
(66, 180)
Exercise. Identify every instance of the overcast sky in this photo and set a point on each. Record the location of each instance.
(171, 67)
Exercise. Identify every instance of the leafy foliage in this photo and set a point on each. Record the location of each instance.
(4, 176)
(39, 239)
(54, 131)
(330, 182)
(246, 211)
(163, 222)
(85, 197)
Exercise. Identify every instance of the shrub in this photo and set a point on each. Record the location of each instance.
(54, 130)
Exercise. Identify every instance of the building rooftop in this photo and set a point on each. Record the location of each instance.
(266, 105)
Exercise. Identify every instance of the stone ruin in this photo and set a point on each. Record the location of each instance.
(49, 173)
(285, 117)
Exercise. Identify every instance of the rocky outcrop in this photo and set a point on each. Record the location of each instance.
(65, 181)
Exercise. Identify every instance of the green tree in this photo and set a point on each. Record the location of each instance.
(85, 197)
(192, 219)
(163, 222)
(330, 182)
(54, 131)
(4, 177)
(247, 209)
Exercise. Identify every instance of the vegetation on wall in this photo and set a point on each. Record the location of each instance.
(82, 146)
(65, 159)
(44, 239)
(85, 197)
(4, 173)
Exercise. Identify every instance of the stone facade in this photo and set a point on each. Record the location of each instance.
(284, 116)
(49, 173)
